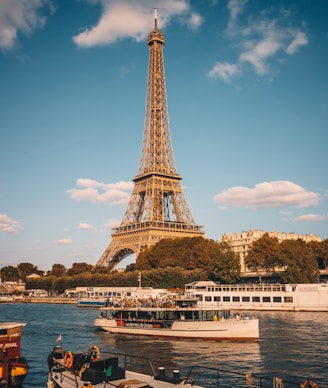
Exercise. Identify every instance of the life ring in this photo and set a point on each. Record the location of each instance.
(68, 360)
(309, 383)
(94, 353)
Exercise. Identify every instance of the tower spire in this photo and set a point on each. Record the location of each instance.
(157, 208)
(155, 18)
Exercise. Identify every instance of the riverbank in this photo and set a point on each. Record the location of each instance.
(49, 300)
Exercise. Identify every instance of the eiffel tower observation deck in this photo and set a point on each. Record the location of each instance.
(157, 208)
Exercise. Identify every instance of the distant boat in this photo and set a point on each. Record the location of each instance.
(284, 297)
(183, 319)
(13, 366)
(106, 296)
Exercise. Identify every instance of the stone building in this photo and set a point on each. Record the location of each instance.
(241, 242)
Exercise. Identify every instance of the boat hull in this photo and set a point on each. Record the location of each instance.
(229, 330)
(91, 302)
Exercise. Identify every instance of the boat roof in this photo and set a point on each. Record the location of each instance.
(11, 325)
(155, 309)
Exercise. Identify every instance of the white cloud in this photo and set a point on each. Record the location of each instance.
(122, 19)
(84, 225)
(20, 17)
(225, 71)
(299, 40)
(265, 40)
(235, 8)
(100, 193)
(64, 241)
(8, 225)
(309, 217)
(268, 194)
(259, 54)
(194, 21)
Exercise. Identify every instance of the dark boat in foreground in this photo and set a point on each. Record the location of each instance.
(88, 369)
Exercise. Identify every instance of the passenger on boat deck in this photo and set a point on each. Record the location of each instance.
(182, 317)
(215, 317)
(56, 354)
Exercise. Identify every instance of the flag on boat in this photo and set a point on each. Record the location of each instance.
(59, 338)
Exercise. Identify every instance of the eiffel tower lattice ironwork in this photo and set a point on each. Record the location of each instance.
(157, 208)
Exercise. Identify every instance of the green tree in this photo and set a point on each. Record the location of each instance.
(299, 261)
(79, 268)
(262, 255)
(320, 250)
(187, 253)
(225, 264)
(9, 274)
(58, 270)
(26, 269)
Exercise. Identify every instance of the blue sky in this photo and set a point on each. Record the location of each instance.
(247, 88)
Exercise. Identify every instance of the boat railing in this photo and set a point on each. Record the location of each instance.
(201, 375)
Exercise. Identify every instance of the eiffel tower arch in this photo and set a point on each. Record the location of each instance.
(157, 208)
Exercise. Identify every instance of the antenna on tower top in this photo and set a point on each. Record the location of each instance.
(155, 17)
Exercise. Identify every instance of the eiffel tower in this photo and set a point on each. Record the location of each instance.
(157, 208)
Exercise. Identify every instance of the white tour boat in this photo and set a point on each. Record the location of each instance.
(284, 297)
(104, 296)
(183, 319)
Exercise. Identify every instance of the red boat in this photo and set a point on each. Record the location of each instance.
(13, 367)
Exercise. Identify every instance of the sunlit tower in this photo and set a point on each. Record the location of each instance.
(157, 208)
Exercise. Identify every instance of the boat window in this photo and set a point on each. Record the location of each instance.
(217, 298)
(226, 299)
(246, 299)
(208, 298)
(236, 298)
(266, 299)
(277, 299)
(288, 299)
(266, 288)
(256, 299)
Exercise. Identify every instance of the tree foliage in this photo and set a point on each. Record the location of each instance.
(78, 268)
(58, 270)
(9, 273)
(298, 261)
(176, 262)
(262, 255)
(216, 259)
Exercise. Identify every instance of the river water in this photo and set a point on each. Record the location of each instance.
(293, 345)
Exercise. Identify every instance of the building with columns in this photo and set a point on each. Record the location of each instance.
(241, 242)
